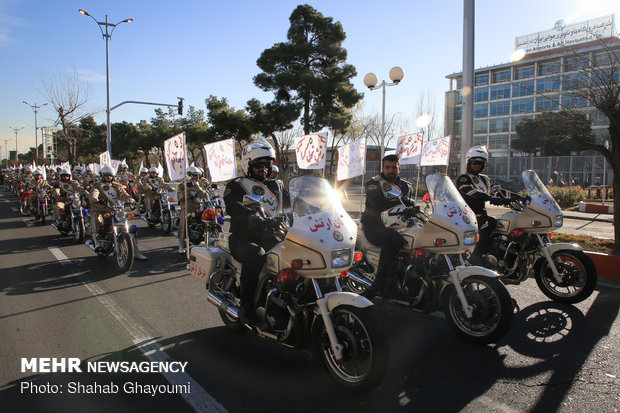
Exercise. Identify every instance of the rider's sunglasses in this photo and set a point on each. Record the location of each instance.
(259, 165)
(194, 175)
(477, 162)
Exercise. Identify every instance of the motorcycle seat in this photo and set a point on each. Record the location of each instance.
(362, 242)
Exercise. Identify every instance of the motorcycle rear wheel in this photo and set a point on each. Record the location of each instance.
(492, 314)
(365, 350)
(578, 275)
(124, 257)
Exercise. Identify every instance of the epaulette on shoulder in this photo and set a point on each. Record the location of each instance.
(376, 178)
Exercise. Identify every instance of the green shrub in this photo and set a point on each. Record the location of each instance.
(568, 196)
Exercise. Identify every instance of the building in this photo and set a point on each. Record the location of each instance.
(545, 79)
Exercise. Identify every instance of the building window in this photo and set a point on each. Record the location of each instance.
(551, 84)
(548, 68)
(523, 89)
(458, 113)
(481, 80)
(598, 118)
(524, 72)
(480, 140)
(481, 95)
(500, 92)
(499, 125)
(500, 108)
(544, 104)
(481, 110)
(523, 106)
(459, 83)
(574, 81)
(501, 76)
(602, 58)
(480, 126)
(570, 100)
(498, 142)
(572, 64)
(515, 121)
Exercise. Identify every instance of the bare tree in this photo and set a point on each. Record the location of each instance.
(426, 115)
(68, 95)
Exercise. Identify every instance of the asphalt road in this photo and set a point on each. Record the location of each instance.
(58, 299)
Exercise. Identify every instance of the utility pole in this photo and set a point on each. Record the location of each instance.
(16, 130)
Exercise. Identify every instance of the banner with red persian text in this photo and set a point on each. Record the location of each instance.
(409, 148)
(436, 152)
(176, 157)
(104, 158)
(351, 160)
(311, 150)
(221, 160)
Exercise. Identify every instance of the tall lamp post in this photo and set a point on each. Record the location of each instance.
(35, 109)
(6, 151)
(16, 130)
(107, 35)
(370, 80)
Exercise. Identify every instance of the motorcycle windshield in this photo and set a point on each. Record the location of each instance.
(448, 204)
(312, 195)
(539, 193)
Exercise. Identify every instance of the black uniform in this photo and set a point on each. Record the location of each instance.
(476, 191)
(249, 239)
(389, 240)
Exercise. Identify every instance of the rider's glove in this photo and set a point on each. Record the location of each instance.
(411, 211)
(255, 223)
(526, 199)
(495, 200)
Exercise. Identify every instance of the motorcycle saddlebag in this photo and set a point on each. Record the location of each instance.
(204, 261)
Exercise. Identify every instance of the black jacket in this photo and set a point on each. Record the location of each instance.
(376, 202)
(476, 190)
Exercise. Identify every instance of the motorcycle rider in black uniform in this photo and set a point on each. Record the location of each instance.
(251, 235)
(375, 231)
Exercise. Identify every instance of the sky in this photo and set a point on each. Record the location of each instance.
(197, 48)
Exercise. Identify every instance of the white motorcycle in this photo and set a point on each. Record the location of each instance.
(299, 297)
(429, 273)
(522, 242)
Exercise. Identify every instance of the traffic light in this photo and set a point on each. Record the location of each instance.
(180, 107)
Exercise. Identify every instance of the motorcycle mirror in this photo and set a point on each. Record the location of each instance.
(392, 194)
(251, 200)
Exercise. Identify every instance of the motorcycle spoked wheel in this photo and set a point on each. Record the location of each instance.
(24, 209)
(226, 282)
(578, 275)
(492, 314)
(124, 258)
(365, 353)
(43, 214)
(78, 230)
(166, 222)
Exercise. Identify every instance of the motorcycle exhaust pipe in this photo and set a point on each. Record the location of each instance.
(223, 305)
(360, 279)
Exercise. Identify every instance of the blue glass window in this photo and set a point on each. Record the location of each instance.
(523, 106)
(574, 81)
(500, 108)
(548, 68)
(498, 142)
(524, 72)
(499, 125)
(500, 92)
(481, 110)
(481, 95)
(571, 100)
(523, 89)
(543, 104)
(480, 80)
(501, 76)
(551, 84)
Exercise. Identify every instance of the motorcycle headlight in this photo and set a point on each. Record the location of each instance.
(341, 258)
(469, 238)
(559, 220)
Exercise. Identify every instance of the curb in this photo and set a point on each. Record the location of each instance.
(607, 266)
(595, 208)
(594, 218)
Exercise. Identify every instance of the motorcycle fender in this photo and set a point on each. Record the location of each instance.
(464, 272)
(553, 248)
(335, 299)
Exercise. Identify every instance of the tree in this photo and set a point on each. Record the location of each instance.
(426, 114)
(553, 133)
(309, 71)
(227, 122)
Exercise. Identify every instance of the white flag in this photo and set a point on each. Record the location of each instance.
(310, 150)
(176, 157)
(115, 164)
(351, 160)
(104, 158)
(221, 160)
(436, 152)
(160, 170)
(408, 149)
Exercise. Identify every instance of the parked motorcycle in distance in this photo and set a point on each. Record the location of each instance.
(522, 241)
(429, 273)
(299, 298)
(161, 211)
(115, 237)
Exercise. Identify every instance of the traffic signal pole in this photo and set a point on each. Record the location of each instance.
(179, 105)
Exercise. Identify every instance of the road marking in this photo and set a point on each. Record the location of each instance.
(15, 209)
(609, 284)
(28, 222)
(199, 399)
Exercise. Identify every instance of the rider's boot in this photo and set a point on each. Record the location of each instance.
(137, 253)
(181, 246)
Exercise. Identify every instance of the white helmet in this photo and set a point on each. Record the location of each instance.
(77, 169)
(28, 168)
(37, 172)
(193, 170)
(256, 150)
(153, 169)
(143, 169)
(275, 169)
(124, 166)
(479, 152)
(202, 171)
(88, 169)
(65, 171)
(107, 170)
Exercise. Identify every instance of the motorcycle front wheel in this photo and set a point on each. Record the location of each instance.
(124, 255)
(364, 348)
(577, 272)
(78, 230)
(24, 209)
(492, 310)
(166, 222)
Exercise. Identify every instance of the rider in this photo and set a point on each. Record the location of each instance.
(35, 185)
(249, 233)
(63, 189)
(196, 188)
(124, 176)
(375, 231)
(149, 186)
(101, 194)
(475, 188)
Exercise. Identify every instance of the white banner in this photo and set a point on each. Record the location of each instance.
(310, 151)
(409, 148)
(115, 164)
(221, 160)
(436, 152)
(351, 160)
(104, 158)
(176, 157)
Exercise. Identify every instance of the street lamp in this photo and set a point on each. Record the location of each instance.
(16, 130)
(107, 35)
(370, 80)
(35, 109)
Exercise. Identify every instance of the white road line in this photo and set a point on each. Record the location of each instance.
(28, 223)
(198, 398)
(15, 209)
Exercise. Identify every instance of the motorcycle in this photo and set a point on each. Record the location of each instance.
(430, 273)
(42, 205)
(73, 218)
(206, 222)
(24, 207)
(115, 237)
(299, 298)
(522, 241)
(161, 211)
